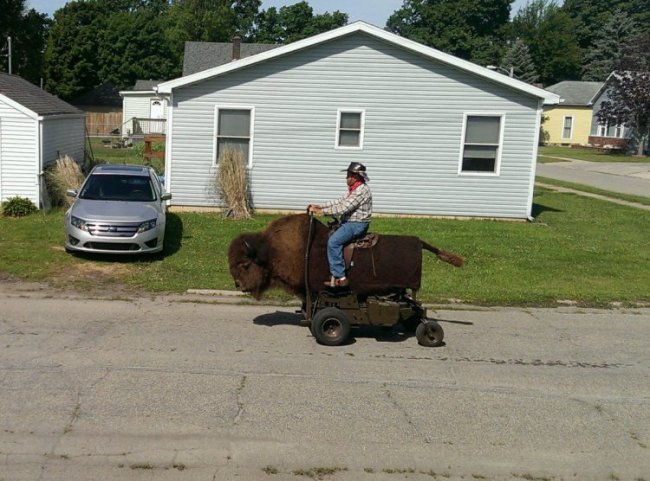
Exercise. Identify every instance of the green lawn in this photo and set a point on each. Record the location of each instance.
(546, 154)
(580, 249)
(104, 150)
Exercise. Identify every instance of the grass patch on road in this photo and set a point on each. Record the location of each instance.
(590, 251)
(593, 190)
(546, 153)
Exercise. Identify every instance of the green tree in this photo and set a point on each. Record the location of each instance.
(550, 35)
(133, 46)
(518, 58)
(207, 21)
(608, 46)
(71, 65)
(590, 16)
(470, 29)
(28, 32)
(294, 22)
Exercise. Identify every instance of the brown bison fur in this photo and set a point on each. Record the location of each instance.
(275, 257)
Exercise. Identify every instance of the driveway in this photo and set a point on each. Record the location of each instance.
(175, 388)
(625, 178)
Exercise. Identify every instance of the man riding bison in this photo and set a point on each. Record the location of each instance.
(276, 256)
(300, 255)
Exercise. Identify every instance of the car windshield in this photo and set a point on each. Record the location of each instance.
(134, 188)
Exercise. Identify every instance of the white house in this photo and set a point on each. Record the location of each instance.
(36, 128)
(439, 135)
(144, 111)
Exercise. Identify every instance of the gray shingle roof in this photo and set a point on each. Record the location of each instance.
(145, 85)
(575, 92)
(200, 56)
(35, 99)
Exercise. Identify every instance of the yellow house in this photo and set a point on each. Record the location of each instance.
(569, 122)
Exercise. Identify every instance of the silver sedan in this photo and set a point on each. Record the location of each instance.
(119, 209)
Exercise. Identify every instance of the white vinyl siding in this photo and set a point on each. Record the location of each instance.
(414, 111)
(349, 129)
(18, 155)
(138, 106)
(63, 136)
(233, 130)
(567, 127)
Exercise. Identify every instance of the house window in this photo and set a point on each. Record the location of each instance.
(567, 128)
(607, 130)
(233, 128)
(481, 143)
(349, 133)
(618, 132)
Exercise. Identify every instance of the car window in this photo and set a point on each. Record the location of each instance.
(132, 188)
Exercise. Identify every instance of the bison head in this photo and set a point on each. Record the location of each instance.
(248, 258)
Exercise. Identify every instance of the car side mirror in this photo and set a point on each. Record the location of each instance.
(71, 193)
(166, 196)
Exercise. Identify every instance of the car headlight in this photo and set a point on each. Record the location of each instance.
(147, 225)
(78, 223)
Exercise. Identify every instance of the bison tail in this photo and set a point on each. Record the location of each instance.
(444, 256)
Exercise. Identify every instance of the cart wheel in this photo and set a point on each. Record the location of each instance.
(429, 334)
(330, 326)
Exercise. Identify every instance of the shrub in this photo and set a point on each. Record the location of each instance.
(63, 175)
(18, 207)
(233, 184)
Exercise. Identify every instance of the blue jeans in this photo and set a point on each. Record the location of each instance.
(343, 235)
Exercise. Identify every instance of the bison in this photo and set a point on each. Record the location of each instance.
(276, 258)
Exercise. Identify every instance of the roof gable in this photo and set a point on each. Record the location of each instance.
(428, 52)
(32, 98)
(575, 92)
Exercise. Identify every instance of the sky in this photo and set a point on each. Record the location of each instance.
(375, 12)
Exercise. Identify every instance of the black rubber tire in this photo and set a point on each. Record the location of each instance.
(330, 326)
(429, 334)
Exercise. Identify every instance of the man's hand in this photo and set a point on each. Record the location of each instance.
(315, 209)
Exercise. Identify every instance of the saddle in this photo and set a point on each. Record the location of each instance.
(366, 242)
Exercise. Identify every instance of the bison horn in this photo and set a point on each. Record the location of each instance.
(250, 251)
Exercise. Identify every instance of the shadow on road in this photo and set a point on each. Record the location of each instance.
(278, 318)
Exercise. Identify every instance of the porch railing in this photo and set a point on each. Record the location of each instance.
(139, 127)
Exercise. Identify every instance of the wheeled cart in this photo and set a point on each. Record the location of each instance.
(331, 313)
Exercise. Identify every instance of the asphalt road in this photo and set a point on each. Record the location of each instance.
(622, 177)
(169, 388)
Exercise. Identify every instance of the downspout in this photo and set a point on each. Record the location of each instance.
(533, 170)
(168, 141)
(39, 159)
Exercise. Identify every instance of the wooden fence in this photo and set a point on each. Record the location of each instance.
(103, 124)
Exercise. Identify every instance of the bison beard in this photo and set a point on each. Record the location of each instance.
(276, 258)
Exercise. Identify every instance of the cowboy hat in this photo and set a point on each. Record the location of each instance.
(357, 168)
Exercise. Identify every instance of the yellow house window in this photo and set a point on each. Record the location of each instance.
(567, 128)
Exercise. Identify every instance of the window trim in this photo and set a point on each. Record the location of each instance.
(251, 130)
(497, 160)
(564, 127)
(362, 128)
(603, 131)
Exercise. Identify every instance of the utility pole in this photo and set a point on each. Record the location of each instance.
(8, 55)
